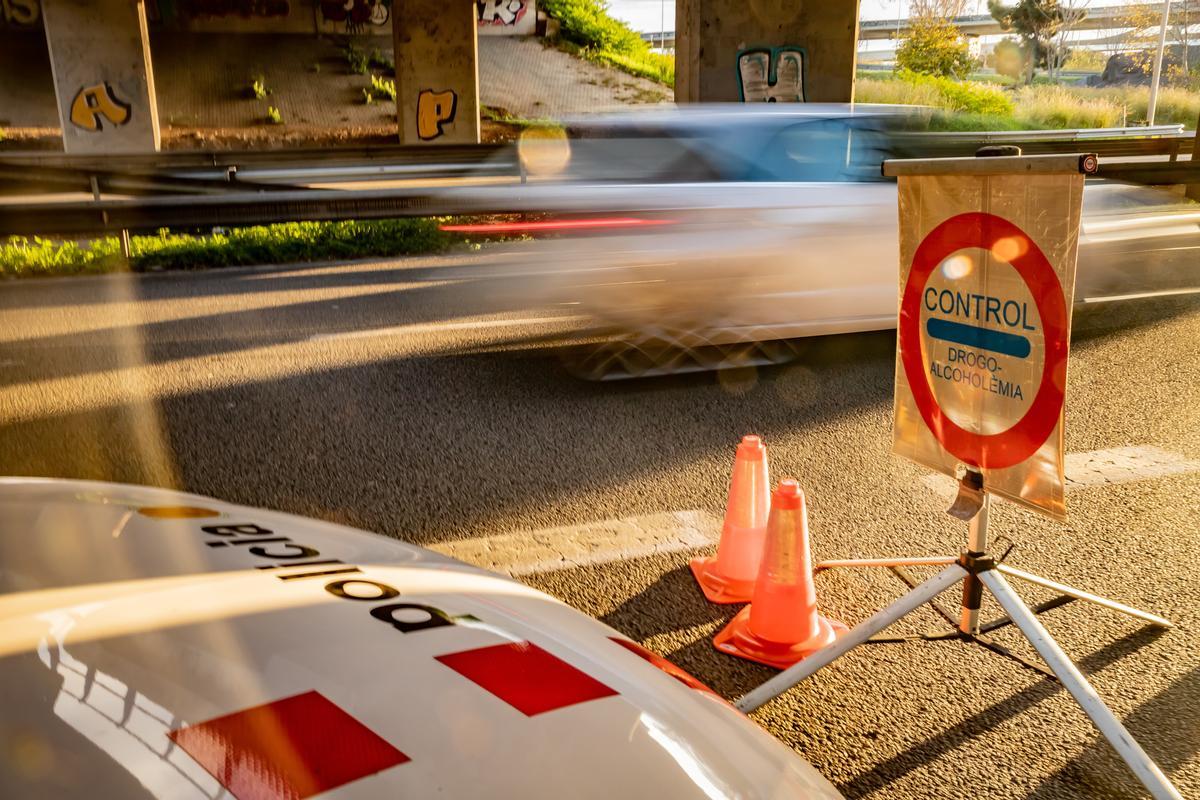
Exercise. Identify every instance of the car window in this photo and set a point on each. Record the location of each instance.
(821, 150)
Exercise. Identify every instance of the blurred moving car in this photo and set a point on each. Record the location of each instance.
(160, 644)
(715, 234)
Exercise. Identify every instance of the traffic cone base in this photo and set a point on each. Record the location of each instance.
(720, 588)
(737, 639)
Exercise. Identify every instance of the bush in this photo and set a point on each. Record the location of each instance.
(587, 25)
(934, 47)
(261, 244)
(965, 96)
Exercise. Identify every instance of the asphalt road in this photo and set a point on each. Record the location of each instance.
(369, 395)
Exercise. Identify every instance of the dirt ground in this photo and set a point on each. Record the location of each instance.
(203, 82)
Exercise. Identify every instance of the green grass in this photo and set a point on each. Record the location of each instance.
(909, 88)
(589, 32)
(506, 117)
(981, 106)
(264, 244)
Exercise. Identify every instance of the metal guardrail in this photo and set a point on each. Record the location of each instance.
(218, 171)
(199, 190)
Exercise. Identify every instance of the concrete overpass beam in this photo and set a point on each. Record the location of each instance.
(437, 71)
(765, 50)
(100, 57)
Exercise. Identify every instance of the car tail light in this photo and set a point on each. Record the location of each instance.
(555, 225)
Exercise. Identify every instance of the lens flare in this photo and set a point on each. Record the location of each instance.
(957, 267)
(1008, 248)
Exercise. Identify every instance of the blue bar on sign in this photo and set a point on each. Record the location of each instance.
(1008, 344)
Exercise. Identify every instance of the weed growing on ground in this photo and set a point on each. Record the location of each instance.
(382, 62)
(258, 88)
(273, 116)
(358, 61)
(380, 89)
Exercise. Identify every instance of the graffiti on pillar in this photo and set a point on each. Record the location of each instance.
(771, 74)
(357, 14)
(236, 8)
(434, 109)
(500, 12)
(95, 103)
(20, 13)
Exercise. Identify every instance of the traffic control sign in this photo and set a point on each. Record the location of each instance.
(987, 345)
(986, 284)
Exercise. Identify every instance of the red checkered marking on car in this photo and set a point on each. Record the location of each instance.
(526, 677)
(287, 750)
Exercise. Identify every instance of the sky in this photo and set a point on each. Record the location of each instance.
(644, 15)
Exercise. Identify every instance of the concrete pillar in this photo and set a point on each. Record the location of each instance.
(765, 50)
(437, 72)
(100, 57)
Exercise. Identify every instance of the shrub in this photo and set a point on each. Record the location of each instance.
(273, 116)
(599, 37)
(587, 23)
(934, 47)
(965, 96)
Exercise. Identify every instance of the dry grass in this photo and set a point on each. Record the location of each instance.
(1045, 107)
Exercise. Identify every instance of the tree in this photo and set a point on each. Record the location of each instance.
(1040, 25)
(934, 47)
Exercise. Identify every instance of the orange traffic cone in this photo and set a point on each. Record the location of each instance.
(729, 576)
(781, 625)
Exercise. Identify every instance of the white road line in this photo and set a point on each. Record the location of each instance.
(570, 546)
(1104, 468)
(1116, 298)
(439, 327)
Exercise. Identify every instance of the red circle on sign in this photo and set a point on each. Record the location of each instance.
(1010, 447)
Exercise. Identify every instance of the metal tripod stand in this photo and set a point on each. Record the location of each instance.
(979, 570)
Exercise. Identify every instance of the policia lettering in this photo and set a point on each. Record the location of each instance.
(263, 543)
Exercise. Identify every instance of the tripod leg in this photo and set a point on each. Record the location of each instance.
(1105, 721)
(885, 562)
(1071, 591)
(857, 635)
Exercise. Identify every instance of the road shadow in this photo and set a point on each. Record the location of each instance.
(881, 775)
(432, 446)
(1167, 726)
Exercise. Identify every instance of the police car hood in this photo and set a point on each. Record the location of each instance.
(158, 644)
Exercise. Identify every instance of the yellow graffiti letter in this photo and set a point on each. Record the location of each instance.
(94, 102)
(433, 109)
